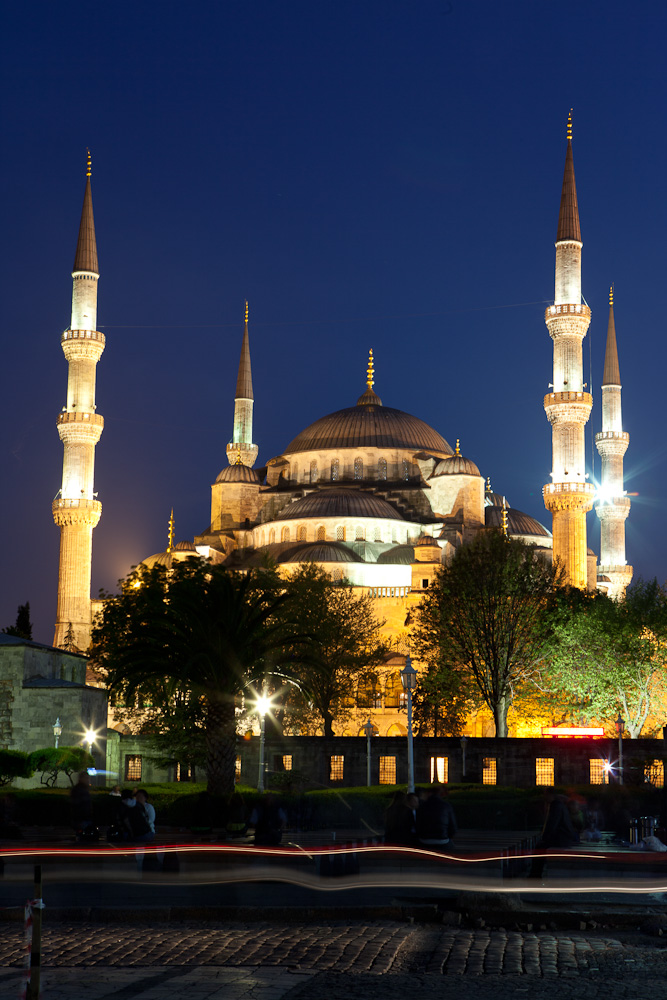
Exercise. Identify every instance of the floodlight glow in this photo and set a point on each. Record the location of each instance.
(263, 704)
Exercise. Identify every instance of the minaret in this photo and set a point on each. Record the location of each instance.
(569, 496)
(241, 448)
(75, 509)
(612, 505)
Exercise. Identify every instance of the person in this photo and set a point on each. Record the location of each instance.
(135, 819)
(397, 820)
(236, 823)
(142, 798)
(436, 823)
(81, 806)
(269, 819)
(558, 830)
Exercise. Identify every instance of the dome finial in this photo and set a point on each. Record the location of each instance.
(611, 294)
(504, 518)
(246, 312)
(89, 168)
(458, 446)
(239, 460)
(370, 371)
(569, 126)
(488, 485)
(170, 537)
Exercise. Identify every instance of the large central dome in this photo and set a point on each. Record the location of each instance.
(369, 424)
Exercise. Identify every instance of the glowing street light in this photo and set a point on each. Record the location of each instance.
(89, 738)
(262, 706)
(620, 727)
(57, 731)
(409, 682)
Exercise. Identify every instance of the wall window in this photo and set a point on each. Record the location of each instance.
(337, 576)
(378, 533)
(183, 772)
(369, 694)
(340, 533)
(335, 467)
(489, 770)
(393, 691)
(382, 468)
(440, 769)
(287, 762)
(336, 767)
(544, 771)
(358, 468)
(321, 533)
(360, 534)
(405, 470)
(387, 771)
(596, 771)
(284, 535)
(313, 472)
(654, 773)
(301, 533)
(133, 768)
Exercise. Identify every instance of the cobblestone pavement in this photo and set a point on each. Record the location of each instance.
(333, 961)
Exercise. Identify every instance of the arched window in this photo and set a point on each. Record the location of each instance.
(294, 473)
(393, 691)
(378, 533)
(334, 470)
(358, 468)
(340, 533)
(337, 575)
(301, 533)
(374, 728)
(406, 469)
(313, 472)
(321, 533)
(369, 694)
(360, 533)
(284, 535)
(272, 536)
(382, 468)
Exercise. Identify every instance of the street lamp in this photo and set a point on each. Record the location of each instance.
(263, 705)
(464, 743)
(369, 728)
(57, 731)
(620, 727)
(89, 738)
(409, 682)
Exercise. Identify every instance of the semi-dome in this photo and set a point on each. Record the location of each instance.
(320, 552)
(369, 424)
(399, 555)
(518, 523)
(339, 503)
(238, 473)
(457, 465)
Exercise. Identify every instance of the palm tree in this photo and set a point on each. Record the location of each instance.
(201, 629)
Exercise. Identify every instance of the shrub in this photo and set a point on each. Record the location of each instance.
(53, 761)
(14, 764)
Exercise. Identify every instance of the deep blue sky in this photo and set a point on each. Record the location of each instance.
(368, 174)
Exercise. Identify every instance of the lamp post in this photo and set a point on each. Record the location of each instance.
(368, 729)
(464, 743)
(89, 739)
(620, 728)
(57, 731)
(409, 682)
(263, 705)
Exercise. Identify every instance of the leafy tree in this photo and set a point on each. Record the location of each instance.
(52, 761)
(487, 612)
(343, 643)
(443, 699)
(23, 626)
(611, 656)
(199, 629)
(14, 764)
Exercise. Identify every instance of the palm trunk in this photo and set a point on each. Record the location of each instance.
(220, 745)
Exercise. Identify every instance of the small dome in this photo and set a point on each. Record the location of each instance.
(339, 503)
(456, 465)
(186, 547)
(400, 555)
(320, 552)
(427, 541)
(238, 474)
(494, 499)
(518, 523)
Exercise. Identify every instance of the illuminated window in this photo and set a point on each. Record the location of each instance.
(284, 535)
(321, 533)
(287, 762)
(237, 769)
(360, 533)
(382, 468)
(358, 468)
(183, 772)
(596, 771)
(369, 694)
(313, 472)
(334, 469)
(301, 533)
(544, 771)
(393, 691)
(340, 533)
(336, 766)
(654, 773)
(133, 768)
(337, 575)
(488, 770)
(387, 770)
(440, 769)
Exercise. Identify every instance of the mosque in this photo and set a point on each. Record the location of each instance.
(373, 495)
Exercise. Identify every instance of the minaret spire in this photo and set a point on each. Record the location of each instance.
(76, 510)
(569, 496)
(612, 505)
(241, 446)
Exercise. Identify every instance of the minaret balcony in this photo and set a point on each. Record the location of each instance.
(67, 511)
(82, 335)
(567, 309)
(81, 416)
(568, 496)
(612, 442)
(568, 407)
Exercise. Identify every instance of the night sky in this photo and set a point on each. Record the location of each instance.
(367, 174)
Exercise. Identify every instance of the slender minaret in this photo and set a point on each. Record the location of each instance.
(569, 496)
(75, 509)
(612, 505)
(241, 449)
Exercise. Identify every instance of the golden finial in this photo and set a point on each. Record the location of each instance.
(488, 485)
(88, 163)
(504, 517)
(238, 458)
(246, 312)
(611, 295)
(569, 126)
(171, 531)
(458, 447)
(370, 381)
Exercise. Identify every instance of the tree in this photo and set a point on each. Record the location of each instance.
(343, 642)
(14, 764)
(52, 761)
(199, 629)
(487, 612)
(23, 626)
(443, 699)
(611, 656)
